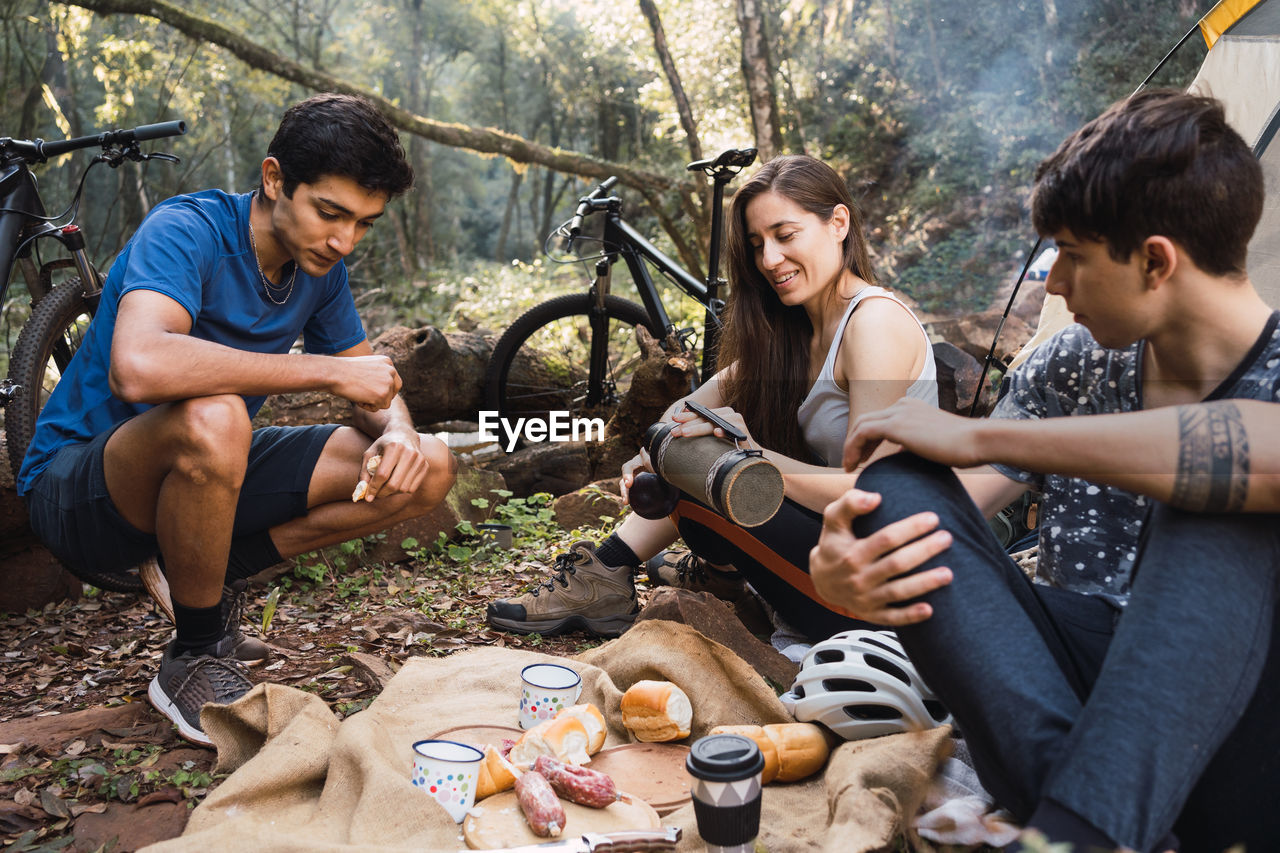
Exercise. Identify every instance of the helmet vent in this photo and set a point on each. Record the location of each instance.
(829, 656)
(872, 712)
(936, 710)
(851, 685)
(885, 647)
(888, 668)
(798, 690)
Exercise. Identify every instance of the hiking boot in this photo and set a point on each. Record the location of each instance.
(250, 651)
(187, 681)
(684, 569)
(583, 594)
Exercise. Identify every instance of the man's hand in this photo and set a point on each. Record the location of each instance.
(393, 464)
(916, 426)
(369, 381)
(864, 575)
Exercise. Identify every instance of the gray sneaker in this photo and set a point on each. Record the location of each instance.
(248, 650)
(188, 681)
(684, 569)
(583, 594)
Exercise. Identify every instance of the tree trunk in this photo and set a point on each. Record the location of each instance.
(650, 12)
(500, 250)
(757, 71)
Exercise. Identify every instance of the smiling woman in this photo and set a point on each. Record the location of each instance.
(809, 341)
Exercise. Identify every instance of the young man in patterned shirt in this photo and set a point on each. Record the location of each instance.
(1125, 698)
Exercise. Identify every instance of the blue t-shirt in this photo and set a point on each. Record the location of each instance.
(1089, 532)
(194, 249)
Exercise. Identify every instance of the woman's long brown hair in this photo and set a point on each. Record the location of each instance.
(769, 341)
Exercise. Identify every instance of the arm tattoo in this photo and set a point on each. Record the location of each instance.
(1213, 459)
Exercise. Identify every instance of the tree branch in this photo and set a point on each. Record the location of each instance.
(479, 140)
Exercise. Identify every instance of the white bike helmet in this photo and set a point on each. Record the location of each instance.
(861, 684)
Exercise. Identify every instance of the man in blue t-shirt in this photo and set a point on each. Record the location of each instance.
(144, 455)
(1127, 697)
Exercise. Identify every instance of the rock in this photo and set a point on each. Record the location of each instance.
(973, 334)
(555, 467)
(589, 506)
(125, 826)
(716, 620)
(958, 376)
(371, 669)
(472, 483)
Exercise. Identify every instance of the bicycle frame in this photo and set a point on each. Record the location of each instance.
(21, 228)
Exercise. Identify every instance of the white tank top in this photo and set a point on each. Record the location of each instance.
(824, 414)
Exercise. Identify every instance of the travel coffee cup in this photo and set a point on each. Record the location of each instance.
(726, 791)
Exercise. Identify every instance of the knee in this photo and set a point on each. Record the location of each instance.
(442, 472)
(907, 484)
(211, 437)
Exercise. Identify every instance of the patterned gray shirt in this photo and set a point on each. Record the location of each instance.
(1089, 533)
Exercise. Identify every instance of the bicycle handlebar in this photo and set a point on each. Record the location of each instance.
(585, 206)
(38, 151)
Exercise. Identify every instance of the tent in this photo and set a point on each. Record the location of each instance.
(1242, 69)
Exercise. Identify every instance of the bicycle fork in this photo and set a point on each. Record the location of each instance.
(598, 370)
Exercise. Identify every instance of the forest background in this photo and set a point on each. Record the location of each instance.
(936, 113)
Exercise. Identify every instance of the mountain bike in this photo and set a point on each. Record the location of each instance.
(61, 311)
(577, 353)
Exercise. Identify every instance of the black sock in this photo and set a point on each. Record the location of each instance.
(1061, 825)
(613, 552)
(198, 627)
(251, 554)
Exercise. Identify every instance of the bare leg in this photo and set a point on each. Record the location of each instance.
(644, 537)
(176, 471)
(333, 517)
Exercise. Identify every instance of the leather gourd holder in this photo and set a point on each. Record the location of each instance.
(736, 482)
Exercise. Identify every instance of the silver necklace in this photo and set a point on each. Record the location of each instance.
(267, 286)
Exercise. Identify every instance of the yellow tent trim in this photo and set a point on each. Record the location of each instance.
(1220, 18)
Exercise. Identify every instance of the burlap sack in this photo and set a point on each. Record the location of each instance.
(302, 781)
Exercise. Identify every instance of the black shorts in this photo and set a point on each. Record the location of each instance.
(74, 516)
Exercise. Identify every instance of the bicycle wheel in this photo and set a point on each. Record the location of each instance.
(44, 349)
(540, 364)
(48, 341)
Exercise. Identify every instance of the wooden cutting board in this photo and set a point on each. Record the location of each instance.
(653, 772)
(497, 821)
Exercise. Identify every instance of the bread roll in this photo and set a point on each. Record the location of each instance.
(591, 718)
(656, 711)
(564, 738)
(756, 733)
(802, 749)
(496, 774)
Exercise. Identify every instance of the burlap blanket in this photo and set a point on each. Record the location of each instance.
(300, 780)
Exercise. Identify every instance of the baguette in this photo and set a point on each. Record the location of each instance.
(496, 774)
(564, 738)
(767, 749)
(792, 751)
(655, 711)
(802, 749)
(593, 721)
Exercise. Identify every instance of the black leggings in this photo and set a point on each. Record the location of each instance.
(773, 558)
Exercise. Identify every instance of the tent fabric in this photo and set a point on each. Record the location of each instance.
(1242, 69)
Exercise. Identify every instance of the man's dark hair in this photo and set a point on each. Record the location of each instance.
(1161, 162)
(341, 135)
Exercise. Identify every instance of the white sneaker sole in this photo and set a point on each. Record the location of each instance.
(158, 699)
